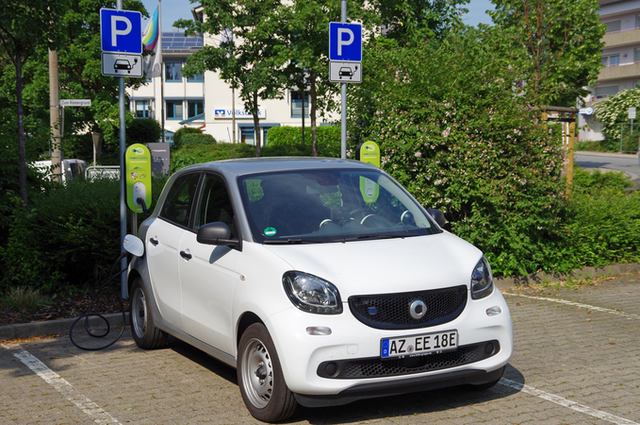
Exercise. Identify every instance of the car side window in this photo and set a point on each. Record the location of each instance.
(215, 203)
(177, 205)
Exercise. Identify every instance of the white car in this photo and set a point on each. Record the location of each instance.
(322, 281)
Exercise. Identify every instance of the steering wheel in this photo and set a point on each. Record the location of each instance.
(363, 211)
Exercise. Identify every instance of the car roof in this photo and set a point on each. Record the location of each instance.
(237, 167)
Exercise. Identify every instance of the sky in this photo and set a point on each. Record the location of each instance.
(173, 10)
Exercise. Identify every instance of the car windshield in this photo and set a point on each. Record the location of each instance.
(330, 205)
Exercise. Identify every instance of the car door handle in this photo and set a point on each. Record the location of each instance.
(153, 241)
(185, 255)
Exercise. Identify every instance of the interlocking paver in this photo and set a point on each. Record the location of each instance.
(583, 356)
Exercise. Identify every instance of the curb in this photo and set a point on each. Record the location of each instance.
(585, 273)
(62, 326)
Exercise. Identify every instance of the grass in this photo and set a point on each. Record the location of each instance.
(22, 298)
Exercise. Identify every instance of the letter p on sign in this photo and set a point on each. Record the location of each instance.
(121, 31)
(345, 42)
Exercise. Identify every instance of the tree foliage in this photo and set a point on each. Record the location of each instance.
(614, 110)
(459, 140)
(246, 54)
(555, 45)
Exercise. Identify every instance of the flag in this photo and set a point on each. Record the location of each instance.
(152, 41)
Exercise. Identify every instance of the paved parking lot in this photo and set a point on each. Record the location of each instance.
(576, 361)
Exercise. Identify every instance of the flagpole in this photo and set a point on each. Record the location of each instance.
(161, 68)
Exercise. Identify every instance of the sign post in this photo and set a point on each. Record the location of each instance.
(121, 33)
(345, 62)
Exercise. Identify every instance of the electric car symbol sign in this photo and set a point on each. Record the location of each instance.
(121, 31)
(345, 42)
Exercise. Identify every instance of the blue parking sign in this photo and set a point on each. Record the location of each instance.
(345, 42)
(121, 31)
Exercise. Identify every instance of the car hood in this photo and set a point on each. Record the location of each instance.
(387, 265)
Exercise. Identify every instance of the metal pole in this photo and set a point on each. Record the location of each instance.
(123, 208)
(343, 120)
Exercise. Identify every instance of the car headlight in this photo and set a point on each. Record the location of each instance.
(311, 293)
(481, 280)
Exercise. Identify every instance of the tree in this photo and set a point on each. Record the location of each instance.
(247, 54)
(555, 45)
(459, 140)
(25, 25)
(411, 21)
(614, 111)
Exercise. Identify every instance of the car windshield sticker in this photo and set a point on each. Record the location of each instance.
(270, 231)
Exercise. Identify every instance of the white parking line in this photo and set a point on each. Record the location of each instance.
(575, 304)
(62, 386)
(566, 403)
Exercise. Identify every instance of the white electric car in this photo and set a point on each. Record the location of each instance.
(322, 281)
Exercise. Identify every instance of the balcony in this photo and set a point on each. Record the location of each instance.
(619, 72)
(622, 38)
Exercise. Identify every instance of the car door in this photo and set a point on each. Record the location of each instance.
(164, 238)
(210, 273)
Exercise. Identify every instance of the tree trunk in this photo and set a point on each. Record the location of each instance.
(256, 123)
(22, 155)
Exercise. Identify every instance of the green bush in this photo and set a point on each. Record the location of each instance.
(69, 238)
(460, 141)
(177, 138)
(197, 139)
(143, 130)
(328, 138)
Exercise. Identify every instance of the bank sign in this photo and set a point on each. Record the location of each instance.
(228, 113)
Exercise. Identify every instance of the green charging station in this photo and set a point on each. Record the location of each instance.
(137, 162)
(369, 152)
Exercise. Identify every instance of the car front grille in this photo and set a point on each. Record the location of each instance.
(392, 311)
(376, 367)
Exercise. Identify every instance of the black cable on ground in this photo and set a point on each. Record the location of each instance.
(89, 314)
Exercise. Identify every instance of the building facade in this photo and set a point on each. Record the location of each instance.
(620, 57)
(206, 101)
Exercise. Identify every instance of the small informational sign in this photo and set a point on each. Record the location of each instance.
(345, 72)
(632, 113)
(160, 158)
(75, 102)
(137, 162)
(119, 65)
(121, 31)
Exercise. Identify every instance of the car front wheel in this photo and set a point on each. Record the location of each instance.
(260, 377)
(145, 334)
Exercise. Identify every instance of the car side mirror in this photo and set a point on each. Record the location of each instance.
(133, 245)
(216, 233)
(438, 216)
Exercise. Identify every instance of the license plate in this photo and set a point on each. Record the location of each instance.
(419, 345)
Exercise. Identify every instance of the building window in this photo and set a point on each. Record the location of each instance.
(194, 108)
(173, 71)
(611, 60)
(602, 92)
(246, 136)
(143, 109)
(297, 105)
(196, 78)
(636, 55)
(613, 26)
(174, 109)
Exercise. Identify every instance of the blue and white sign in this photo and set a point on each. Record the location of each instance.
(345, 42)
(121, 31)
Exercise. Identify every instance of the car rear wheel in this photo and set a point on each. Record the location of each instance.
(145, 334)
(260, 377)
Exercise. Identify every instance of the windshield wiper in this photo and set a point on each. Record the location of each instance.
(287, 241)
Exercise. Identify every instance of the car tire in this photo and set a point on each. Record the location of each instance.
(260, 378)
(145, 334)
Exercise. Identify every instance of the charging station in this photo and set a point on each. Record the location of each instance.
(137, 161)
